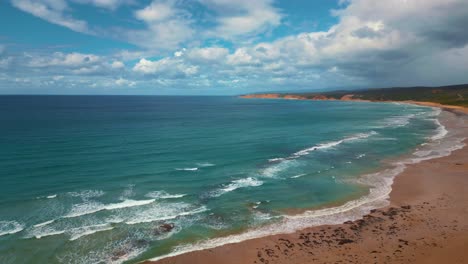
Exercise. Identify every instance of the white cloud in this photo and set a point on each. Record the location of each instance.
(209, 54)
(166, 26)
(243, 17)
(155, 12)
(125, 82)
(117, 65)
(53, 12)
(241, 57)
(167, 67)
(108, 4)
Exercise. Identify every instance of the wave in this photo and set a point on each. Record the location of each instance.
(298, 176)
(51, 196)
(325, 146)
(273, 170)
(441, 131)
(90, 208)
(44, 223)
(49, 233)
(79, 232)
(397, 121)
(205, 164)
(164, 195)
(187, 169)
(334, 143)
(75, 233)
(87, 194)
(276, 159)
(234, 185)
(164, 214)
(10, 227)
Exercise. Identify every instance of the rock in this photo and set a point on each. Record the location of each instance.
(166, 227)
(345, 241)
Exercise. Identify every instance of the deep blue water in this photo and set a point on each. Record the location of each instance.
(91, 179)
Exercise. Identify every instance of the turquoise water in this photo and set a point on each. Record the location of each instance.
(91, 179)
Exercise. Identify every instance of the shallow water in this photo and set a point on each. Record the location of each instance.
(90, 179)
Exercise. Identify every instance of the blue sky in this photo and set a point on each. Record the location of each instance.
(199, 47)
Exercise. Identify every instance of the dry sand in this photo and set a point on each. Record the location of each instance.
(426, 222)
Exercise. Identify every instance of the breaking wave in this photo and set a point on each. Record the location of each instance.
(234, 185)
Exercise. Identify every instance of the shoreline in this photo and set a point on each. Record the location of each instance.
(269, 248)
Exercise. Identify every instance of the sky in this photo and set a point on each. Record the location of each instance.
(228, 47)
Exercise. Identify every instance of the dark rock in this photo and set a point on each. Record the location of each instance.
(165, 228)
(345, 241)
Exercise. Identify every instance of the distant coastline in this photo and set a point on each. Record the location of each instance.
(453, 98)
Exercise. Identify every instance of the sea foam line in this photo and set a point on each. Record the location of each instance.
(187, 169)
(173, 215)
(324, 146)
(164, 195)
(90, 208)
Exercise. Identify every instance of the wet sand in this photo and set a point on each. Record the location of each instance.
(426, 222)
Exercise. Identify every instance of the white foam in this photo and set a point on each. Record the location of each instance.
(51, 196)
(87, 194)
(360, 156)
(236, 184)
(441, 131)
(187, 169)
(10, 227)
(90, 208)
(397, 121)
(272, 171)
(206, 164)
(325, 146)
(276, 159)
(164, 195)
(88, 230)
(333, 144)
(164, 213)
(44, 223)
(298, 176)
(47, 232)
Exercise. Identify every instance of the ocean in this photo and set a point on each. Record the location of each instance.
(121, 179)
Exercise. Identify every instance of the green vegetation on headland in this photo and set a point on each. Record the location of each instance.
(456, 95)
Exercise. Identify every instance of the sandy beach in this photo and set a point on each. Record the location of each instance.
(426, 222)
